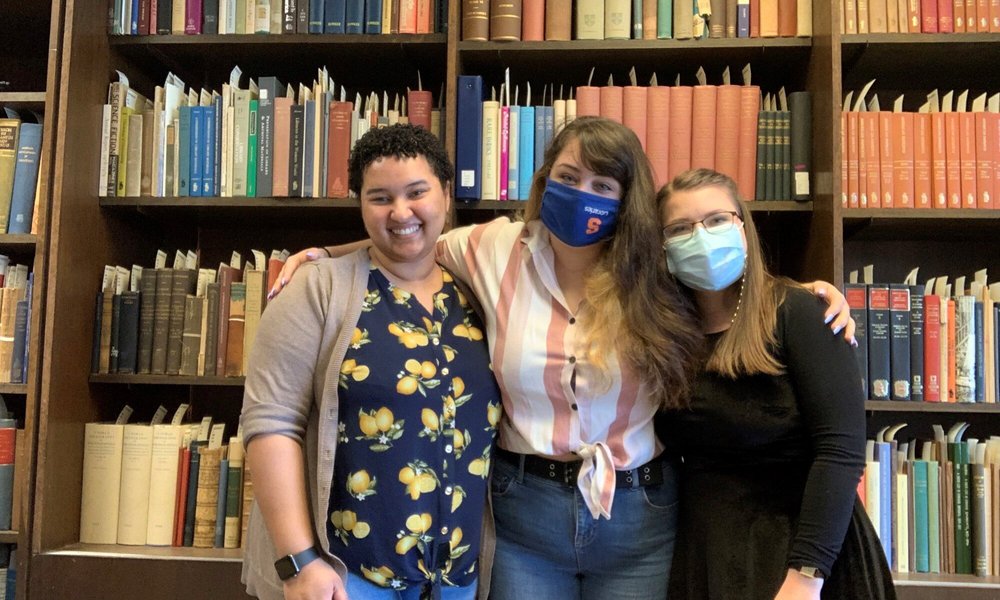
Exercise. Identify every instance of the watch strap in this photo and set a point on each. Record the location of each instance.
(289, 566)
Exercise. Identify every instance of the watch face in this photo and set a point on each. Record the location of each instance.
(286, 567)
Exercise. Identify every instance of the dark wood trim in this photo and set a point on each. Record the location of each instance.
(219, 202)
(931, 407)
(18, 241)
(297, 39)
(971, 214)
(167, 380)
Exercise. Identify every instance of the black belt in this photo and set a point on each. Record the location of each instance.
(566, 473)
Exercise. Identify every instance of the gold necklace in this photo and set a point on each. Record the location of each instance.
(739, 301)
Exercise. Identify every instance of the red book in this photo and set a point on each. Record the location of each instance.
(932, 348)
(144, 17)
(183, 470)
(635, 111)
(939, 162)
(273, 269)
(746, 170)
(727, 130)
(853, 161)
(588, 101)
(704, 98)
(407, 16)
(967, 158)
(929, 16)
(504, 150)
(681, 98)
(862, 159)
(922, 170)
(755, 18)
(657, 132)
(420, 104)
(338, 150)
(612, 101)
(986, 156)
(887, 171)
(533, 20)
(192, 20)
(953, 159)
(946, 17)
(154, 6)
(423, 8)
(843, 159)
(873, 176)
(902, 160)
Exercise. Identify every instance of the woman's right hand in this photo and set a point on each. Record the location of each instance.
(291, 265)
(316, 581)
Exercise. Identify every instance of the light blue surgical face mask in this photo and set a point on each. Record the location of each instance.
(576, 217)
(707, 261)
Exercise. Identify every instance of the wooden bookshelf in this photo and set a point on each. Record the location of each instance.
(167, 380)
(932, 407)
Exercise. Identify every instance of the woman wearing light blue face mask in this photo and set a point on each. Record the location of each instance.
(773, 436)
(589, 338)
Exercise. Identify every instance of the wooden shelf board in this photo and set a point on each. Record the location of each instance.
(20, 241)
(616, 45)
(779, 206)
(149, 552)
(22, 98)
(944, 580)
(298, 39)
(931, 407)
(755, 206)
(918, 38)
(956, 214)
(167, 380)
(223, 203)
(13, 388)
(8, 537)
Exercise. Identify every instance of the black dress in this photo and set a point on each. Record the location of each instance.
(770, 473)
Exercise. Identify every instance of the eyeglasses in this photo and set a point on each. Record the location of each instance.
(715, 223)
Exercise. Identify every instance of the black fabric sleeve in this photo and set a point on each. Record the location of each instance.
(824, 375)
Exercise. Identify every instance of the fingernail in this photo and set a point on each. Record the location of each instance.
(821, 292)
(854, 342)
(837, 329)
(270, 294)
(284, 282)
(311, 255)
(828, 318)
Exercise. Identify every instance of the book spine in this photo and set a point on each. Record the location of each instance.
(128, 332)
(253, 127)
(899, 308)
(116, 309)
(192, 494)
(502, 173)
(491, 150)
(513, 154)
(917, 343)
(526, 150)
(920, 517)
(316, 16)
(857, 298)
(220, 508)
(879, 339)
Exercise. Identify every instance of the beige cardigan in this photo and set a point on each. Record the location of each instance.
(292, 390)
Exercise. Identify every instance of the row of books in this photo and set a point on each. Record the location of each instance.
(12, 476)
(935, 503)
(537, 20)
(8, 571)
(941, 156)
(20, 147)
(182, 320)
(262, 141)
(16, 283)
(767, 152)
(936, 342)
(164, 483)
(920, 16)
(211, 17)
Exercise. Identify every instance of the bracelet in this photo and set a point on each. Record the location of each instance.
(328, 255)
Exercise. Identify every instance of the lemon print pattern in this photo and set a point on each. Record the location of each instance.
(418, 413)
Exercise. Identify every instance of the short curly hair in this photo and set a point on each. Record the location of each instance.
(397, 141)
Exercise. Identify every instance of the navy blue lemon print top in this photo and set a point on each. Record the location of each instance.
(419, 409)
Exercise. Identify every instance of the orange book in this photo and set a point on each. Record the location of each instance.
(967, 158)
(995, 28)
(958, 15)
(922, 161)
(862, 16)
(953, 159)
(681, 98)
(986, 156)
(886, 168)
(951, 351)
(946, 21)
(657, 132)
(862, 160)
(611, 100)
(407, 16)
(558, 20)
(727, 130)
(338, 149)
(704, 98)
(853, 160)
(939, 162)
(746, 170)
(983, 16)
(755, 18)
(902, 160)
(282, 135)
(787, 18)
(183, 470)
(533, 20)
(995, 119)
(634, 111)
(877, 15)
(873, 185)
(649, 19)
(971, 22)
(843, 159)
(768, 18)
(423, 8)
(588, 101)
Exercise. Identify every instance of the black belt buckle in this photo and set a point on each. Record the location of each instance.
(565, 472)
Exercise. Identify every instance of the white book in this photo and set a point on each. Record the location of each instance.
(102, 472)
(491, 150)
(902, 518)
(166, 443)
(133, 505)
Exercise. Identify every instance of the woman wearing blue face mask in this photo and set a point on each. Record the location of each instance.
(589, 337)
(773, 436)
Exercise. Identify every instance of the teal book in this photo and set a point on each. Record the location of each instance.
(664, 19)
(252, 151)
(933, 516)
(920, 523)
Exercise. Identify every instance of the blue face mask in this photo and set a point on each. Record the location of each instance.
(577, 218)
(706, 261)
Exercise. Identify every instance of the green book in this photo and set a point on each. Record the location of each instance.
(933, 516)
(920, 523)
(252, 151)
(664, 19)
(959, 455)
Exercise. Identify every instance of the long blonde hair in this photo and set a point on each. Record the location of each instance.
(747, 347)
(634, 306)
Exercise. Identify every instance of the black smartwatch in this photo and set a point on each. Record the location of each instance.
(291, 565)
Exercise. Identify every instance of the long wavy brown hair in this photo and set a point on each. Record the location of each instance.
(746, 348)
(633, 306)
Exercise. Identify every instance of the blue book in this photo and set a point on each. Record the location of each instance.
(184, 150)
(742, 19)
(134, 25)
(197, 167)
(209, 150)
(883, 454)
(217, 150)
(308, 142)
(335, 14)
(373, 16)
(220, 507)
(526, 151)
(539, 137)
(469, 138)
(22, 201)
(192, 493)
(980, 354)
(921, 529)
(354, 16)
(316, 16)
(20, 340)
(11, 582)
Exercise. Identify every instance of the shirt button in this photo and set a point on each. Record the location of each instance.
(447, 449)
(447, 491)
(572, 320)
(435, 341)
(444, 371)
(572, 360)
(444, 530)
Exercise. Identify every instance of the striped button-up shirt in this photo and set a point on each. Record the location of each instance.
(552, 404)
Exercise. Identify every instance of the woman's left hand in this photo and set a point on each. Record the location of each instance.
(799, 587)
(838, 313)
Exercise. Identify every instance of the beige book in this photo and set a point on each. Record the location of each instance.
(254, 307)
(617, 19)
(684, 19)
(768, 18)
(804, 18)
(231, 536)
(133, 156)
(248, 495)
(177, 18)
(8, 314)
(133, 504)
(166, 444)
(206, 503)
(877, 17)
(590, 19)
(491, 150)
(241, 133)
(102, 473)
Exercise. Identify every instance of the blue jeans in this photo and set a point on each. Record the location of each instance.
(359, 588)
(549, 546)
